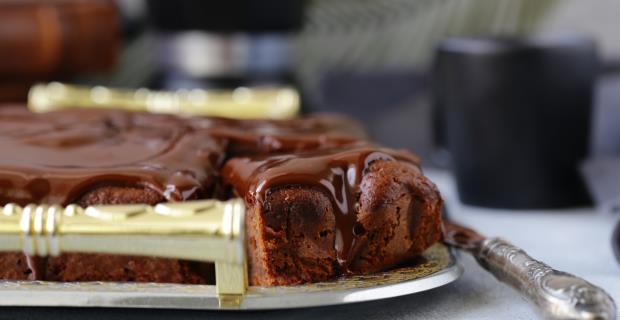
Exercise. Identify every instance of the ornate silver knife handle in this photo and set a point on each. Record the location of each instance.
(559, 295)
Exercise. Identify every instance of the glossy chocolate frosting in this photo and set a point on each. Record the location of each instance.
(256, 137)
(54, 158)
(57, 157)
(337, 171)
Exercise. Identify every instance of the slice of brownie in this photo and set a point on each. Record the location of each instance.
(103, 157)
(319, 203)
(317, 215)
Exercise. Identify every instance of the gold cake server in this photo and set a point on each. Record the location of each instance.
(240, 103)
(206, 230)
(558, 295)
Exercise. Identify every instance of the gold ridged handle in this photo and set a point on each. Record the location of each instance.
(207, 230)
(240, 103)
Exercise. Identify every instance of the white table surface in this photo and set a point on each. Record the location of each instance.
(576, 240)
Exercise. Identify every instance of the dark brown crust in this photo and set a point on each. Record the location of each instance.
(120, 195)
(102, 267)
(401, 213)
(291, 237)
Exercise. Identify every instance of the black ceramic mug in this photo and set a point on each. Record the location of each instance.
(514, 114)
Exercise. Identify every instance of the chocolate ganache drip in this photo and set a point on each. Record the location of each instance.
(59, 157)
(336, 171)
(55, 158)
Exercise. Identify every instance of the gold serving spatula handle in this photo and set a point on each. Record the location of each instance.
(559, 295)
(206, 230)
(240, 103)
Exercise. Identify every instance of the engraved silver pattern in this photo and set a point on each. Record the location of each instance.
(559, 295)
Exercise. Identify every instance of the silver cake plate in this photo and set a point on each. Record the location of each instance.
(438, 266)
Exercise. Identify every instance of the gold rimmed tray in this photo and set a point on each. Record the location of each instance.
(438, 266)
(202, 230)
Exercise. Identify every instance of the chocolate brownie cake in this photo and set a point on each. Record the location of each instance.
(320, 201)
(102, 157)
(319, 214)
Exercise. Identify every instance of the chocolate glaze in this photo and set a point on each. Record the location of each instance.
(255, 137)
(57, 157)
(336, 171)
(54, 158)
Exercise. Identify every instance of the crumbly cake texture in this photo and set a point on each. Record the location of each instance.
(317, 215)
(320, 201)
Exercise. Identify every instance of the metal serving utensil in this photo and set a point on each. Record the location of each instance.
(557, 294)
(240, 103)
(206, 230)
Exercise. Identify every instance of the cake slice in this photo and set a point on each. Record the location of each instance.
(103, 157)
(320, 203)
(92, 157)
(349, 210)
